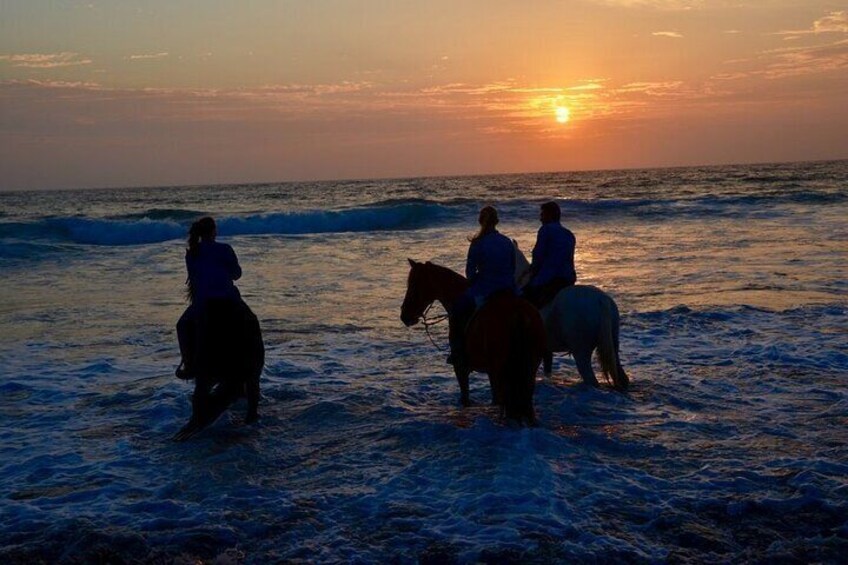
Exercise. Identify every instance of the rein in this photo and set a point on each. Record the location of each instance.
(432, 322)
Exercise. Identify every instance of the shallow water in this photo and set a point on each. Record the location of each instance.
(731, 445)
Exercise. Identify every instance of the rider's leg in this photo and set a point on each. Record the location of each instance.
(187, 338)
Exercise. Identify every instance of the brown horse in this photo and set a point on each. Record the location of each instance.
(505, 339)
(230, 358)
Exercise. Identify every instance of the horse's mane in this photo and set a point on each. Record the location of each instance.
(444, 272)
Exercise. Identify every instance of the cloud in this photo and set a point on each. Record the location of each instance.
(52, 84)
(834, 22)
(147, 56)
(652, 88)
(794, 61)
(655, 4)
(45, 60)
(807, 60)
(672, 34)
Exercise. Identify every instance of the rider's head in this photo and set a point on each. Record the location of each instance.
(550, 212)
(203, 229)
(488, 220)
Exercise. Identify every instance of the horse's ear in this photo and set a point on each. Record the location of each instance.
(411, 262)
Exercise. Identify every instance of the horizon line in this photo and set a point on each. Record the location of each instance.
(411, 177)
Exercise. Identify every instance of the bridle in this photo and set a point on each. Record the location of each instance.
(432, 322)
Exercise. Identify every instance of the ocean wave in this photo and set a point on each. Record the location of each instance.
(394, 214)
(164, 225)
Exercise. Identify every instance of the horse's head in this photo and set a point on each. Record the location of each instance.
(418, 295)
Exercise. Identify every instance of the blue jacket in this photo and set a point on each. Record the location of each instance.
(553, 255)
(490, 265)
(212, 271)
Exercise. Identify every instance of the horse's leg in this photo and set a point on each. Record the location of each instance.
(583, 360)
(548, 360)
(496, 384)
(254, 354)
(199, 409)
(462, 373)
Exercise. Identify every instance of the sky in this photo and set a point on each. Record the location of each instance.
(126, 93)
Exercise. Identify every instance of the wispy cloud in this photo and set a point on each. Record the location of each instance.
(655, 4)
(793, 61)
(46, 60)
(807, 60)
(672, 34)
(834, 22)
(147, 56)
(65, 84)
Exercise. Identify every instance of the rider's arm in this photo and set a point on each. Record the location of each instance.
(233, 267)
(471, 262)
(539, 250)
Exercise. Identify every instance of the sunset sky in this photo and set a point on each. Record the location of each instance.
(123, 93)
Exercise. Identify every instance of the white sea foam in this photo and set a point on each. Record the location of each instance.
(729, 447)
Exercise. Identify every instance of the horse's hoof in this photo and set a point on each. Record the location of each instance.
(183, 373)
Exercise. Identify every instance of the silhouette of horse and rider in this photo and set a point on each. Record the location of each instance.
(504, 331)
(506, 316)
(219, 336)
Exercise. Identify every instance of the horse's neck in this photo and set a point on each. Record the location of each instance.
(448, 286)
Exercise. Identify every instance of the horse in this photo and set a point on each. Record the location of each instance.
(230, 355)
(505, 339)
(579, 320)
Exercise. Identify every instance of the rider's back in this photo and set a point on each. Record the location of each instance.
(491, 264)
(554, 254)
(213, 268)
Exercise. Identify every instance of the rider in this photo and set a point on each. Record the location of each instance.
(489, 268)
(212, 268)
(553, 258)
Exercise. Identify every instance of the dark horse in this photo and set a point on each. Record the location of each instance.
(229, 358)
(505, 339)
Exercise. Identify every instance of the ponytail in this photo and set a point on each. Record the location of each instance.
(202, 229)
(488, 220)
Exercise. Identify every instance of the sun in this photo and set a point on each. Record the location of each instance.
(562, 114)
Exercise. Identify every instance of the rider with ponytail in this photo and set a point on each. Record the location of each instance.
(489, 268)
(212, 269)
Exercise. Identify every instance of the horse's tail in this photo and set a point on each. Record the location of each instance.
(608, 345)
(525, 354)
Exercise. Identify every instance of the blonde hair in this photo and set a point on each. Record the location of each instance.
(488, 220)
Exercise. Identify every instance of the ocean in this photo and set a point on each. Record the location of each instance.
(730, 446)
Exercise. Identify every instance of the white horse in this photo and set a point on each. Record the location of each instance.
(579, 320)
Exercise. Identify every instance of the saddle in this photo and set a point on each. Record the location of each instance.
(541, 296)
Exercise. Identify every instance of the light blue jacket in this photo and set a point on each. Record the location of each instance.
(490, 265)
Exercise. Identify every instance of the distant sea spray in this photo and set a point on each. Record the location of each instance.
(163, 225)
(722, 197)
